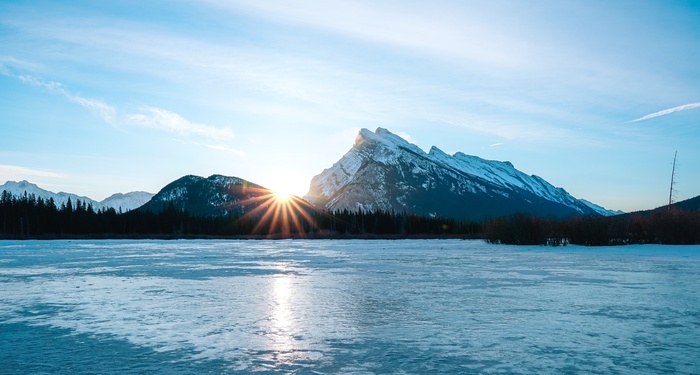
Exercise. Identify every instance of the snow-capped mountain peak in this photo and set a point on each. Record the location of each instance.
(387, 138)
(25, 187)
(383, 171)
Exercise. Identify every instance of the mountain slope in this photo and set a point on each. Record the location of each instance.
(601, 210)
(212, 196)
(120, 202)
(690, 204)
(382, 171)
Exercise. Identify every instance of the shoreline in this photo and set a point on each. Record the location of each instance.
(315, 236)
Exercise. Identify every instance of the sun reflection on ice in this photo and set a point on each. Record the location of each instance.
(281, 304)
(288, 337)
(283, 329)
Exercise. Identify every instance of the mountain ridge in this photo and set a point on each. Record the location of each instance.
(690, 205)
(383, 171)
(380, 172)
(118, 201)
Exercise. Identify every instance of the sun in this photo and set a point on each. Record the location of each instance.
(280, 214)
(282, 195)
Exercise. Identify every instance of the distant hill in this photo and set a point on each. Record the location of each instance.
(691, 204)
(216, 195)
(118, 201)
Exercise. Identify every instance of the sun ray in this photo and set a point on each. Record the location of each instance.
(277, 215)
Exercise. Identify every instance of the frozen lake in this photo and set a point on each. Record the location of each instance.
(346, 307)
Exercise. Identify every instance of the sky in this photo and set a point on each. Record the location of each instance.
(594, 96)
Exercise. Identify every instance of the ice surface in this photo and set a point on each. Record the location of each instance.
(353, 307)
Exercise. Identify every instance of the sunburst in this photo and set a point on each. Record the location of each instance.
(279, 214)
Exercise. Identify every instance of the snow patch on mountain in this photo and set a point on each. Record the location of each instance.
(601, 210)
(503, 174)
(126, 202)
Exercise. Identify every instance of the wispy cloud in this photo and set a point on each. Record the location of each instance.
(683, 107)
(9, 63)
(227, 149)
(322, 90)
(496, 144)
(161, 119)
(16, 173)
(435, 30)
(217, 147)
(149, 117)
(406, 136)
(103, 110)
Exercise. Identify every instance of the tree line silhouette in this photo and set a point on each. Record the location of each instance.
(28, 216)
(665, 226)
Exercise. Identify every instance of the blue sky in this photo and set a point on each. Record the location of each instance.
(101, 97)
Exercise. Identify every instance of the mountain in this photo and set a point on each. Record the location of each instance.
(126, 202)
(384, 172)
(212, 196)
(123, 202)
(691, 204)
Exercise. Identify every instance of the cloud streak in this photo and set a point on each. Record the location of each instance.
(434, 31)
(212, 146)
(665, 112)
(227, 149)
(14, 172)
(321, 89)
(161, 119)
(103, 110)
(149, 117)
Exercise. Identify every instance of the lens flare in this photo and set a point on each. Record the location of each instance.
(278, 214)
